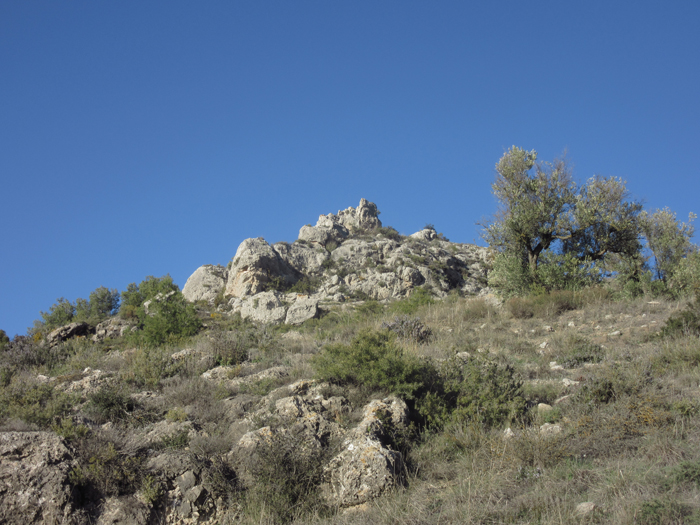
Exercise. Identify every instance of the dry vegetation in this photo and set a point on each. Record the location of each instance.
(624, 397)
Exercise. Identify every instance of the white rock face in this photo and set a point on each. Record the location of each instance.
(265, 307)
(426, 234)
(205, 283)
(302, 310)
(256, 263)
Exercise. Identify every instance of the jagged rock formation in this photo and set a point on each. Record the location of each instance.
(34, 479)
(67, 332)
(345, 256)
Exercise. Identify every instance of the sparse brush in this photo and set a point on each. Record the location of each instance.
(408, 328)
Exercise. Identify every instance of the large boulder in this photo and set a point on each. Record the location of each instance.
(302, 310)
(265, 307)
(205, 283)
(301, 257)
(255, 266)
(366, 468)
(34, 484)
(67, 332)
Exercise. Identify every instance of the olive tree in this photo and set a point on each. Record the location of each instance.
(668, 239)
(545, 216)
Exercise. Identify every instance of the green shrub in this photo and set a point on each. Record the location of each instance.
(662, 511)
(372, 359)
(148, 366)
(578, 352)
(231, 347)
(110, 404)
(135, 295)
(686, 321)
(33, 403)
(169, 319)
(473, 390)
(389, 233)
(419, 297)
(3, 339)
(306, 285)
(105, 470)
(287, 473)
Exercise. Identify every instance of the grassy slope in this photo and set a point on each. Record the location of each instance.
(630, 428)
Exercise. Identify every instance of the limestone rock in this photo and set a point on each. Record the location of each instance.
(301, 257)
(255, 265)
(205, 283)
(426, 234)
(34, 486)
(265, 307)
(302, 310)
(112, 328)
(127, 510)
(67, 332)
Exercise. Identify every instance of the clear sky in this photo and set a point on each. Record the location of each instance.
(145, 138)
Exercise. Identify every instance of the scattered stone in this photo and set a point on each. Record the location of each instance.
(112, 328)
(571, 324)
(554, 366)
(508, 433)
(549, 429)
(563, 400)
(569, 382)
(548, 328)
(583, 509)
(544, 344)
(543, 408)
(616, 333)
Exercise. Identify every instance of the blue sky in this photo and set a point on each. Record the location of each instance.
(145, 138)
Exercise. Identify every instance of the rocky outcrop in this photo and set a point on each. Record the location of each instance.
(34, 485)
(112, 328)
(67, 332)
(366, 467)
(345, 256)
(205, 283)
(255, 266)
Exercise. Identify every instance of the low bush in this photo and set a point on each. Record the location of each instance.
(542, 306)
(579, 351)
(685, 322)
(473, 390)
(110, 404)
(374, 360)
(408, 328)
(34, 403)
(419, 297)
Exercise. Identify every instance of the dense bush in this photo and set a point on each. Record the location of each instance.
(579, 351)
(3, 339)
(167, 320)
(473, 390)
(542, 306)
(374, 360)
(101, 304)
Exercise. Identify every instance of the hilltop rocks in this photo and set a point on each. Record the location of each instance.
(346, 256)
(205, 283)
(111, 328)
(34, 485)
(255, 265)
(338, 227)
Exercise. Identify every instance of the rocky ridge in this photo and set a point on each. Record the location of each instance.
(345, 257)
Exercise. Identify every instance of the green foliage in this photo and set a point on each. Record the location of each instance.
(3, 339)
(60, 313)
(578, 352)
(231, 347)
(34, 403)
(168, 320)
(668, 240)
(149, 365)
(110, 404)
(661, 511)
(306, 285)
(685, 322)
(419, 297)
(288, 473)
(101, 304)
(473, 390)
(685, 278)
(106, 470)
(547, 213)
(389, 233)
(67, 429)
(135, 295)
(371, 359)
